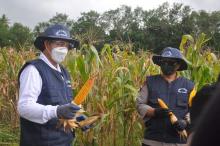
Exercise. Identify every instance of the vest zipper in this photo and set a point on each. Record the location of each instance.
(168, 99)
(64, 83)
(65, 91)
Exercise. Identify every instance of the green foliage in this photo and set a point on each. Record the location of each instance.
(8, 135)
(88, 28)
(16, 36)
(113, 95)
(121, 66)
(58, 18)
(4, 31)
(120, 72)
(203, 64)
(20, 36)
(145, 29)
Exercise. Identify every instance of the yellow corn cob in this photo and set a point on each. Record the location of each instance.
(80, 97)
(173, 118)
(84, 91)
(162, 103)
(192, 94)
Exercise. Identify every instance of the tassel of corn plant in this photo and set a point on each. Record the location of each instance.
(173, 118)
(84, 91)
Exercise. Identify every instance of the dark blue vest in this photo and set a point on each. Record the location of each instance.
(55, 91)
(175, 95)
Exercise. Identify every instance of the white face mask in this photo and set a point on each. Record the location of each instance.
(58, 54)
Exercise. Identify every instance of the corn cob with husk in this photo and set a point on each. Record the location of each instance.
(78, 100)
(173, 118)
(73, 124)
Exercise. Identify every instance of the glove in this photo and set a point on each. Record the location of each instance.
(180, 125)
(81, 118)
(67, 111)
(161, 112)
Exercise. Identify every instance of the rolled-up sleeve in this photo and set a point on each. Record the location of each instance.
(141, 102)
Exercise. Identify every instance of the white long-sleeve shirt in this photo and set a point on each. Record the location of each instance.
(30, 89)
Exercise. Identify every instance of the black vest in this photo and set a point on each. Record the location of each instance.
(175, 95)
(55, 91)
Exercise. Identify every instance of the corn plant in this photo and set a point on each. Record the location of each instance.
(119, 74)
(204, 66)
(11, 62)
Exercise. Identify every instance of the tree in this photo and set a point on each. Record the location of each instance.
(20, 36)
(58, 18)
(143, 29)
(4, 31)
(88, 28)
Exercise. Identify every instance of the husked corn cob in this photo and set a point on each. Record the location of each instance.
(192, 94)
(80, 97)
(173, 118)
(84, 91)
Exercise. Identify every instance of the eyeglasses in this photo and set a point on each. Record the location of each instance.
(169, 62)
(60, 43)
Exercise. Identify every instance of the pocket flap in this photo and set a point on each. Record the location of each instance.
(182, 102)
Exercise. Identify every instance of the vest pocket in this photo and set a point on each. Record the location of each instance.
(182, 102)
(181, 107)
(54, 97)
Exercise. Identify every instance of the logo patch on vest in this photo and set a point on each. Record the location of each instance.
(182, 90)
(68, 83)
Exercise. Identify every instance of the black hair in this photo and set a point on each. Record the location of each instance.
(208, 128)
(199, 102)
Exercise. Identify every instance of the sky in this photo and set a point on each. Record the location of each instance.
(31, 12)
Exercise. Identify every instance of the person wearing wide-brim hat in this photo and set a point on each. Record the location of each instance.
(45, 91)
(56, 32)
(176, 91)
(172, 54)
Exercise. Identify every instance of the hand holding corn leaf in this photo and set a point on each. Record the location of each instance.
(173, 118)
(80, 97)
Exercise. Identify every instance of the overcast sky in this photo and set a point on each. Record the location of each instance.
(31, 12)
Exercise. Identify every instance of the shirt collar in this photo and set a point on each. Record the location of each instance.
(45, 59)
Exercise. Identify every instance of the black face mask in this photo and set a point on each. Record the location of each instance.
(168, 69)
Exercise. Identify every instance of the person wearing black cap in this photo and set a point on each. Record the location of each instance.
(45, 91)
(177, 92)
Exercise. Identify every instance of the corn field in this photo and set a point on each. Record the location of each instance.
(120, 73)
